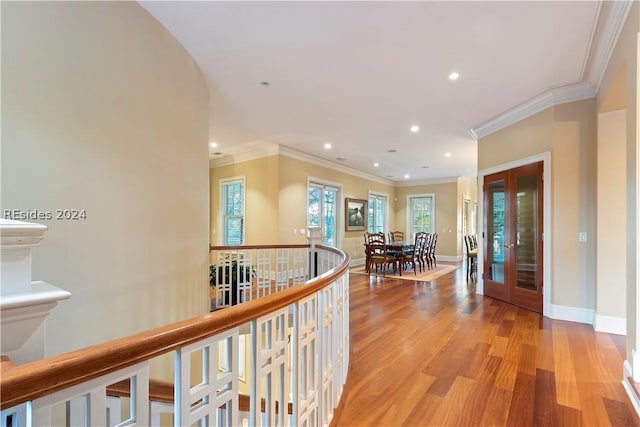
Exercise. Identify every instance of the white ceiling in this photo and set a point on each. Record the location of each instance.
(359, 74)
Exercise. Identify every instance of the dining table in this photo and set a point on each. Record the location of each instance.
(399, 247)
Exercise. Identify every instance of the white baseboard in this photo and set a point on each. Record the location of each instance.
(633, 397)
(610, 324)
(449, 258)
(572, 314)
(355, 262)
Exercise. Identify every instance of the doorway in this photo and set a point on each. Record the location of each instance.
(322, 210)
(512, 236)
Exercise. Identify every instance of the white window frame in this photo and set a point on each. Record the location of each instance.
(385, 226)
(409, 223)
(222, 210)
(339, 205)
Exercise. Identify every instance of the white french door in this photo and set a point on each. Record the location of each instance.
(322, 211)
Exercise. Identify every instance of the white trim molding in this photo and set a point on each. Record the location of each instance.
(610, 324)
(547, 236)
(572, 314)
(628, 387)
(557, 96)
(612, 15)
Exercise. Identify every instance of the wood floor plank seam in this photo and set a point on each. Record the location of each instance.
(437, 354)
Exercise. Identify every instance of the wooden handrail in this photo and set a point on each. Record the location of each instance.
(26, 382)
(5, 364)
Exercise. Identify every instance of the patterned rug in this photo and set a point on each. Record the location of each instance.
(425, 276)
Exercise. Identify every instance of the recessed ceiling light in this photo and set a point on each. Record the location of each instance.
(341, 159)
(376, 164)
(213, 144)
(392, 150)
(327, 145)
(406, 176)
(414, 128)
(425, 167)
(447, 154)
(264, 83)
(454, 76)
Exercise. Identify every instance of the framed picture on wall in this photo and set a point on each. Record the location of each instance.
(355, 214)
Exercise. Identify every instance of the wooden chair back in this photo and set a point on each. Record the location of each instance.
(396, 236)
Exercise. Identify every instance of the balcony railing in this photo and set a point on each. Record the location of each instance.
(284, 349)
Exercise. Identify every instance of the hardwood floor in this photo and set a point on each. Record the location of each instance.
(435, 353)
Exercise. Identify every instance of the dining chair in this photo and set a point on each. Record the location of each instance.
(396, 237)
(378, 254)
(413, 256)
(430, 254)
(367, 236)
(472, 256)
(424, 256)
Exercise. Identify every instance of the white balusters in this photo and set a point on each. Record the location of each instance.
(86, 403)
(327, 398)
(300, 271)
(282, 269)
(271, 370)
(298, 357)
(263, 273)
(305, 356)
(214, 400)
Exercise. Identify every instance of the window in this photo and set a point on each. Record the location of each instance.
(322, 209)
(232, 204)
(377, 213)
(421, 213)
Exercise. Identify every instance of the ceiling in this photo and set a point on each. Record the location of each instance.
(358, 74)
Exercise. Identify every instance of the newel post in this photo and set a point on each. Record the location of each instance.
(24, 304)
(314, 237)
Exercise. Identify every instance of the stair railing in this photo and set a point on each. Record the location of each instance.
(296, 342)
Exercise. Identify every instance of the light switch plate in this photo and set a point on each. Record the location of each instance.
(582, 236)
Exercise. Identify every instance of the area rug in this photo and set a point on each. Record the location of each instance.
(425, 276)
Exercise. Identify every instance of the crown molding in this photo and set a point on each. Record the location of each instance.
(299, 155)
(444, 180)
(268, 150)
(265, 150)
(613, 15)
(557, 96)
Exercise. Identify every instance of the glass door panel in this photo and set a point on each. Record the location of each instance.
(496, 232)
(527, 232)
(321, 211)
(329, 213)
(513, 236)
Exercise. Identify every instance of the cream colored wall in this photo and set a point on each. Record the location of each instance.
(625, 55)
(446, 213)
(261, 199)
(573, 184)
(568, 131)
(523, 139)
(611, 277)
(103, 110)
(294, 174)
(276, 199)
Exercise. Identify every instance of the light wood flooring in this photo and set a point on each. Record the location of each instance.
(435, 353)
